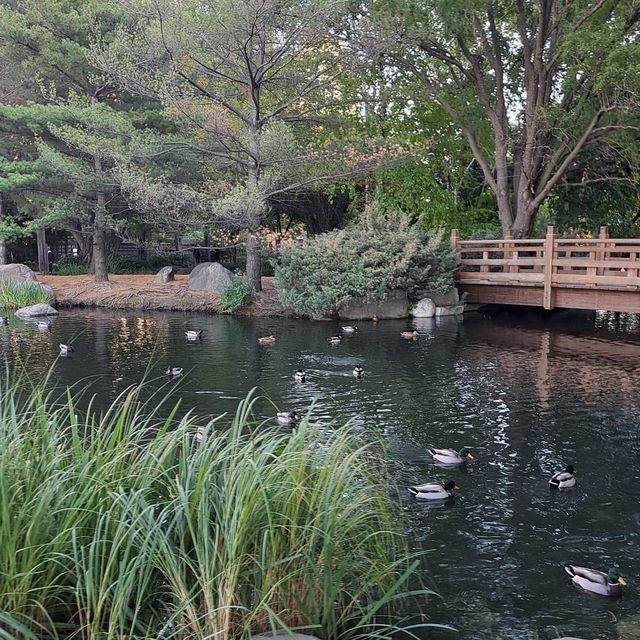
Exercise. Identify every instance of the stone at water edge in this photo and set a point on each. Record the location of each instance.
(210, 276)
(441, 299)
(166, 274)
(426, 308)
(16, 274)
(48, 289)
(395, 306)
(36, 310)
(450, 310)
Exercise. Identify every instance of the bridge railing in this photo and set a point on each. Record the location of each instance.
(588, 263)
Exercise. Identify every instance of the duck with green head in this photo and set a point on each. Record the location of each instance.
(451, 456)
(604, 584)
(433, 491)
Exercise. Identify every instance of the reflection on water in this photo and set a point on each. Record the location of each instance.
(527, 393)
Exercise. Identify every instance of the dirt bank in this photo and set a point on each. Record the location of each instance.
(140, 292)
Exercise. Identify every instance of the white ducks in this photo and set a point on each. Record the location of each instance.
(174, 371)
(563, 479)
(604, 584)
(267, 340)
(335, 340)
(289, 418)
(434, 491)
(451, 456)
(409, 335)
(65, 349)
(349, 329)
(193, 335)
(300, 376)
(358, 372)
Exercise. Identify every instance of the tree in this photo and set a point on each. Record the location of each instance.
(253, 86)
(51, 40)
(532, 86)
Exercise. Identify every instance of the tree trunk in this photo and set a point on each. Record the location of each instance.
(99, 249)
(3, 242)
(254, 263)
(43, 252)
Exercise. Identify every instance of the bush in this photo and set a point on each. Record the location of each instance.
(368, 260)
(120, 524)
(235, 295)
(125, 264)
(71, 270)
(15, 296)
(70, 265)
(182, 260)
(120, 264)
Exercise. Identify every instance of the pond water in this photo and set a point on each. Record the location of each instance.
(527, 393)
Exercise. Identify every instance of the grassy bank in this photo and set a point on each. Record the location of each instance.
(124, 525)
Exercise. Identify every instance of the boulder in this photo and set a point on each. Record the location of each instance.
(210, 276)
(166, 274)
(16, 274)
(36, 310)
(440, 299)
(426, 308)
(48, 289)
(395, 306)
(450, 310)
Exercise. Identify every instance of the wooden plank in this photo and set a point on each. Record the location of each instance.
(619, 282)
(472, 243)
(537, 278)
(592, 263)
(496, 262)
(549, 248)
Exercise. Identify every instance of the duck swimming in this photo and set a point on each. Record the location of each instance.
(300, 375)
(434, 491)
(65, 349)
(288, 418)
(604, 584)
(267, 340)
(451, 456)
(174, 371)
(563, 479)
(193, 335)
(349, 329)
(335, 340)
(44, 324)
(358, 372)
(409, 335)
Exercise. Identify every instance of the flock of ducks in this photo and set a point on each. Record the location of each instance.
(592, 580)
(598, 582)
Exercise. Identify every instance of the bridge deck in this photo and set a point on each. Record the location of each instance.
(590, 273)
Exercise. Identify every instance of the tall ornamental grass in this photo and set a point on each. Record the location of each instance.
(124, 525)
(15, 296)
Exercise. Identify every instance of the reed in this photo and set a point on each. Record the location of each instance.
(123, 525)
(15, 296)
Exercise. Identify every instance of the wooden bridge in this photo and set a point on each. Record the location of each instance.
(577, 273)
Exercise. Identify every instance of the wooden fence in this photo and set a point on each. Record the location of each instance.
(552, 266)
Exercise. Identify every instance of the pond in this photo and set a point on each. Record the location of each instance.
(526, 393)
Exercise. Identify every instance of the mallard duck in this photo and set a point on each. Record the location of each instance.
(288, 418)
(335, 340)
(267, 340)
(65, 349)
(409, 335)
(300, 375)
(174, 371)
(200, 434)
(374, 318)
(563, 479)
(349, 329)
(604, 584)
(451, 456)
(44, 324)
(19, 339)
(193, 335)
(358, 372)
(434, 491)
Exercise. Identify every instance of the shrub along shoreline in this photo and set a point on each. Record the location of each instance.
(131, 524)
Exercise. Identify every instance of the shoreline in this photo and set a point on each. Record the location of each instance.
(139, 292)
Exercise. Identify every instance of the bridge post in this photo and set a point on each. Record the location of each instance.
(549, 249)
(602, 255)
